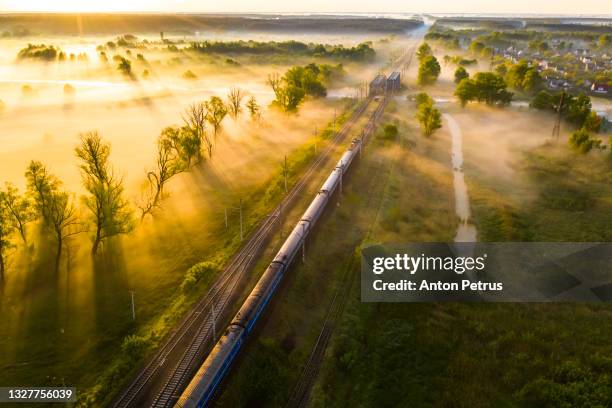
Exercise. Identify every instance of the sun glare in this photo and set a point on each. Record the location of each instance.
(79, 5)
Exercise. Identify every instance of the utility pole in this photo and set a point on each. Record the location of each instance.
(341, 175)
(214, 321)
(226, 224)
(334, 129)
(315, 141)
(241, 235)
(133, 306)
(280, 219)
(557, 127)
(303, 242)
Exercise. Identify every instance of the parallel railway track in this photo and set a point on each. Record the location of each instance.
(162, 379)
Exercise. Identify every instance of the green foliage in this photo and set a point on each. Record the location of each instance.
(460, 74)
(570, 385)
(189, 75)
(576, 109)
(19, 207)
(253, 108)
(484, 87)
(390, 131)
(39, 52)
(216, 111)
(6, 230)
(428, 116)
(41, 185)
(523, 77)
(301, 81)
(360, 52)
(124, 66)
(429, 70)
(110, 211)
(423, 51)
(423, 97)
(134, 347)
(199, 271)
(582, 141)
(593, 122)
(476, 47)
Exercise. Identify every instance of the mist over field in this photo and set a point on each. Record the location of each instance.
(142, 154)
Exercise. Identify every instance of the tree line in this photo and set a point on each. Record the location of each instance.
(360, 52)
(57, 212)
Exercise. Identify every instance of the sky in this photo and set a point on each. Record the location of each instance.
(323, 6)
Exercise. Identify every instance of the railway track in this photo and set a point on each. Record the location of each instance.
(162, 379)
(301, 392)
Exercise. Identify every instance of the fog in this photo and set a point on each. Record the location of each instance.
(87, 302)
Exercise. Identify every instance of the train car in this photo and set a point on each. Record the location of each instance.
(394, 82)
(259, 297)
(378, 85)
(203, 385)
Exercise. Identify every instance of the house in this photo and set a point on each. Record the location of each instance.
(600, 88)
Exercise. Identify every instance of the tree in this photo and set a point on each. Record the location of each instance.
(253, 108)
(63, 220)
(516, 74)
(429, 70)
(542, 101)
(460, 73)
(476, 47)
(111, 215)
(168, 164)
(40, 185)
(592, 122)
(215, 113)
(19, 209)
(485, 87)
(465, 91)
(124, 66)
(578, 109)
(429, 117)
(234, 99)
(6, 229)
(423, 97)
(423, 51)
(582, 141)
(195, 120)
(532, 81)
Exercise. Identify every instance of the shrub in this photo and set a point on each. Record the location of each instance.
(196, 273)
(134, 346)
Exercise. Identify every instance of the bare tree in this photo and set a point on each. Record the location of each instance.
(168, 164)
(234, 99)
(215, 113)
(276, 82)
(253, 107)
(19, 208)
(195, 119)
(6, 229)
(110, 211)
(40, 185)
(63, 220)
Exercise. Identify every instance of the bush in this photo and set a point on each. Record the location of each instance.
(135, 347)
(196, 273)
(41, 52)
(189, 75)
